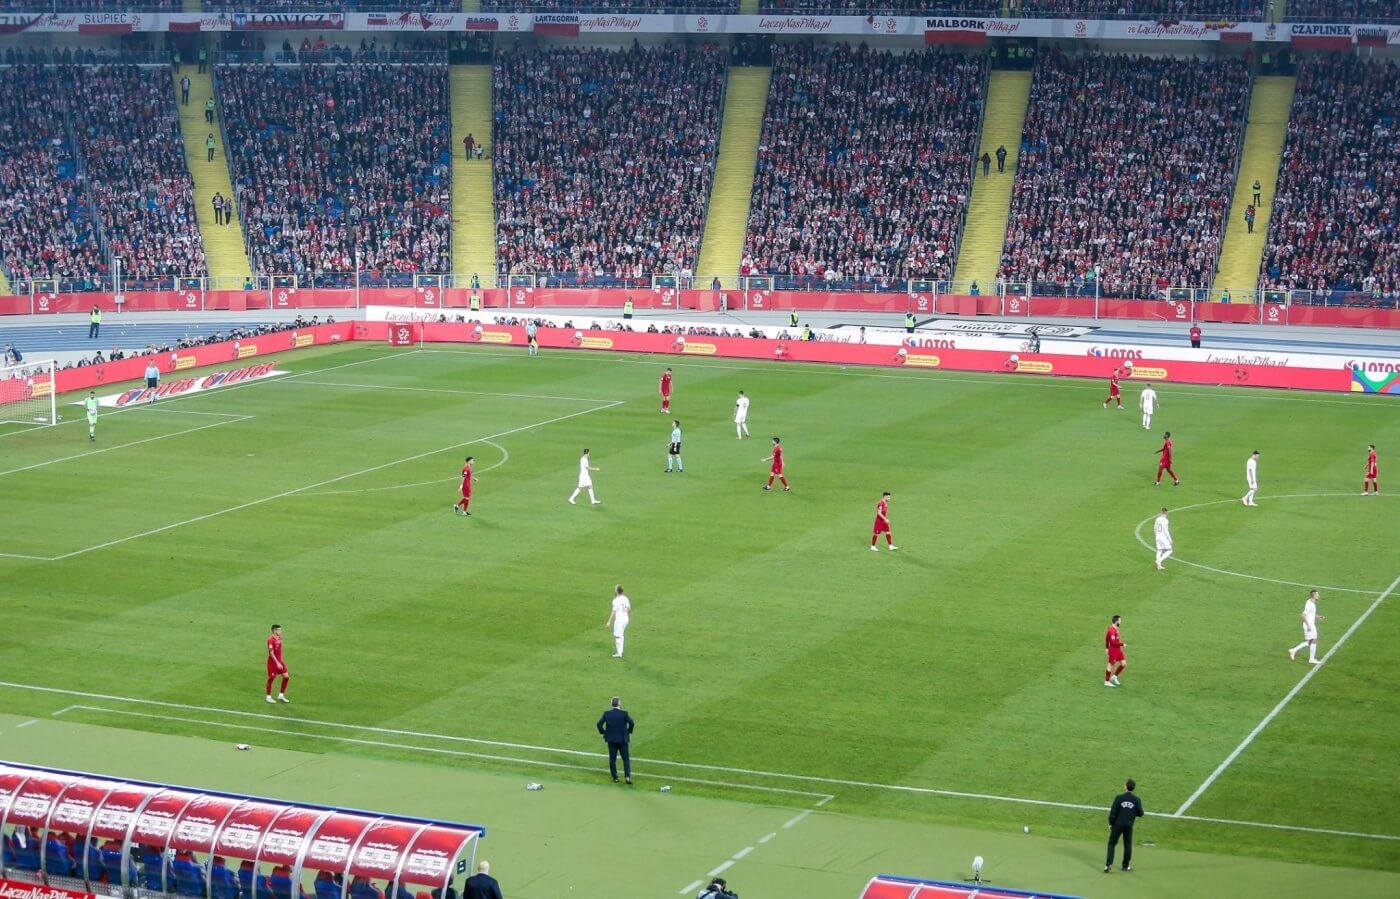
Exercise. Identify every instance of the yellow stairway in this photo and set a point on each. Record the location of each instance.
(727, 214)
(473, 198)
(223, 244)
(1242, 253)
(979, 253)
(4, 284)
(748, 7)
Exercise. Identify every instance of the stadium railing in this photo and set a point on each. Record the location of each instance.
(84, 835)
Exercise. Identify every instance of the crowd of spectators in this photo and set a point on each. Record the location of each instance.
(990, 8)
(1246, 10)
(1126, 172)
(48, 228)
(415, 6)
(1344, 10)
(603, 159)
(1335, 225)
(339, 166)
(128, 133)
(864, 166)
(77, 56)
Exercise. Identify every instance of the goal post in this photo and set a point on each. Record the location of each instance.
(27, 394)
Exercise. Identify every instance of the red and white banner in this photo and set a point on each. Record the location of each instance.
(186, 386)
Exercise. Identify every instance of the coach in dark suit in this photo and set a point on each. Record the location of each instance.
(1122, 815)
(482, 885)
(616, 727)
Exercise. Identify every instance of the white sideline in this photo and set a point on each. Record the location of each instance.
(108, 449)
(335, 480)
(458, 753)
(1283, 703)
(1098, 809)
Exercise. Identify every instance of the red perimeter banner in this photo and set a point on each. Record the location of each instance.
(1170, 371)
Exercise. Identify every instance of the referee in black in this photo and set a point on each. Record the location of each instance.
(1122, 815)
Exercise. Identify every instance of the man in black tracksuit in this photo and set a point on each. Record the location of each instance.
(1122, 815)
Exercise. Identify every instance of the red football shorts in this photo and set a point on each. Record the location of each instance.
(466, 492)
(1113, 390)
(882, 527)
(272, 668)
(1115, 656)
(777, 469)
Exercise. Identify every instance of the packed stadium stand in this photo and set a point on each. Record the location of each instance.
(1334, 226)
(864, 166)
(92, 166)
(1127, 165)
(333, 5)
(48, 228)
(633, 7)
(604, 158)
(339, 164)
(1344, 10)
(883, 7)
(1250, 10)
(129, 136)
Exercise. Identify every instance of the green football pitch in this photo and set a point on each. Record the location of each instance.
(891, 710)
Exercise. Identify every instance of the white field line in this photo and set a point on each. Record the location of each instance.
(456, 753)
(721, 868)
(992, 379)
(160, 407)
(23, 556)
(335, 480)
(120, 446)
(505, 457)
(1098, 809)
(225, 390)
(690, 888)
(27, 723)
(748, 850)
(1283, 703)
(1137, 532)
(449, 390)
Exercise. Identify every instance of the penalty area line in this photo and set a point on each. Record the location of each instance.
(327, 482)
(1283, 703)
(108, 449)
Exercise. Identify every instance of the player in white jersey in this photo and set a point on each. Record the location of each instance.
(1162, 530)
(1310, 620)
(585, 480)
(741, 416)
(618, 618)
(1251, 478)
(673, 452)
(91, 405)
(1148, 404)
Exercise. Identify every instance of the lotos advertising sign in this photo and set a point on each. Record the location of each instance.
(183, 386)
(14, 889)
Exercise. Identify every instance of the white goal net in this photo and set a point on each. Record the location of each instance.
(27, 394)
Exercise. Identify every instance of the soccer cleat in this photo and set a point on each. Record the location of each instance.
(1161, 567)
(1109, 684)
(466, 513)
(787, 489)
(628, 781)
(283, 697)
(571, 502)
(1127, 868)
(874, 549)
(1314, 662)
(1108, 869)
(668, 471)
(1292, 654)
(767, 486)
(1156, 483)
(1176, 483)
(893, 547)
(270, 699)
(617, 655)
(596, 502)
(1114, 678)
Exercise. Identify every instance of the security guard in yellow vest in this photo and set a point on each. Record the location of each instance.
(909, 322)
(792, 320)
(627, 308)
(94, 322)
(806, 332)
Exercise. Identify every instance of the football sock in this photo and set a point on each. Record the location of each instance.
(591, 497)
(1312, 652)
(573, 496)
(784, 480)
(1107, 672)
(617, 641)
(285, 680)
(680, 463)
(269, 684)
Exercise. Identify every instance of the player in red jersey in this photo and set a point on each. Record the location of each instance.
(1165, 463)
(666, 390)
(276, 666)
(461, 504)
(882, 523)
(777, 470)
(1114, 394)
(1117, 661)
(1371, 483)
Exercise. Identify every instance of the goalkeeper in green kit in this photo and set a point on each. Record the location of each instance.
(91, 405)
